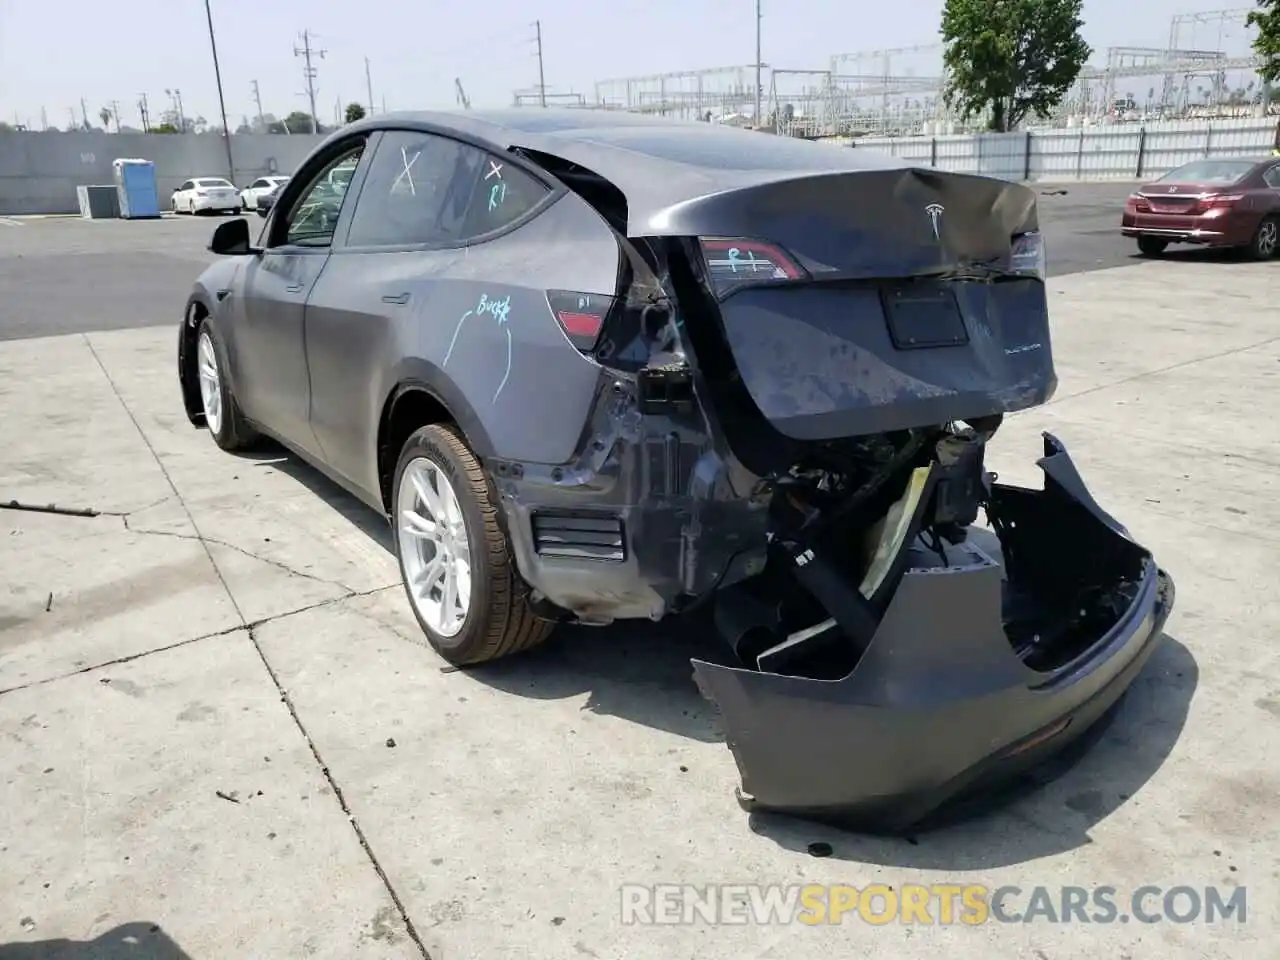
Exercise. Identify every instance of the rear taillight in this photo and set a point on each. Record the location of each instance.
(1027, 255)
(733, 263)
(1221, 200)
(1138, 202)
(581, 315)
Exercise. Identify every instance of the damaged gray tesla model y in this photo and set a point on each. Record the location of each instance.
(598, 366)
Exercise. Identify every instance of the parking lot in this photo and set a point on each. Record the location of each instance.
(222, 735)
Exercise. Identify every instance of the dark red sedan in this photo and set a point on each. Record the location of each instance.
(1216, 203)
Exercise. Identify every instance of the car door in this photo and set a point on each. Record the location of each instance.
(249, 196)
(272, 384)
(359, 319)
(179, 200)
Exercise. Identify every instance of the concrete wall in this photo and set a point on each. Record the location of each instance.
(39, 172)
(1123, 151)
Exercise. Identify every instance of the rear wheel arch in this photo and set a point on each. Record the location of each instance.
(418, 401)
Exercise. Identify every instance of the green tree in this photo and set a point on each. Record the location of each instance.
(354, 112)
(164, 128)
(1267, 43)
(298, 122)
(1016, 58)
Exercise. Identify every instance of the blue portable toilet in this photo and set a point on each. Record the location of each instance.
(137, 189)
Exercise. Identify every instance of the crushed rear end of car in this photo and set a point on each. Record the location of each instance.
(811, 370)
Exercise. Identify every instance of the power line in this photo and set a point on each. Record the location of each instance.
(309, 72)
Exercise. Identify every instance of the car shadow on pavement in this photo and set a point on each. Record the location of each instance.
(1053, 809)
(129, 941)
(1198, 255)
(367, 521)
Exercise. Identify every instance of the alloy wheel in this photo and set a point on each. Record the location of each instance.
(210, 382)
(434, 548)
(1268, 238)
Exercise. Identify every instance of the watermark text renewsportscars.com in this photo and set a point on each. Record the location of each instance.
(933, 904)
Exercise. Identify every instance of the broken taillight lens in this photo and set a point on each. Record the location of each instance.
(733, 263)
(1027, 255)
(581, 315)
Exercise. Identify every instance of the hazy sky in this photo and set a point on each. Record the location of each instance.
(53, 52)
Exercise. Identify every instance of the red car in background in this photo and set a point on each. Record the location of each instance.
(1216, 203)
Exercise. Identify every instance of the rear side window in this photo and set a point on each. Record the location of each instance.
(1272, 177)
(428, 189)
(502, 195)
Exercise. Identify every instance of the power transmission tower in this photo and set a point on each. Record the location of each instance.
(368, 85)
(759, 88)
(257, 99)
(308, 71)
(542, 79)
(144, 111)
(84, 113)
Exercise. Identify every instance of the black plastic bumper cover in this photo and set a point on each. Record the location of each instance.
(940, 705)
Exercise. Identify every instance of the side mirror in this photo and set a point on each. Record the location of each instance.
(231, 239)
(263, 211)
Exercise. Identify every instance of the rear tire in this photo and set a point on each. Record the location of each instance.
(222, 414)
(1266, 240)
(1152, 246)
(497, 620)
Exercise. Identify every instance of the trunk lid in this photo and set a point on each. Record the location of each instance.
(895, 325)
(868, 223)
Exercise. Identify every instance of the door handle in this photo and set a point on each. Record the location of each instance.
(293, 288)
(401, 298)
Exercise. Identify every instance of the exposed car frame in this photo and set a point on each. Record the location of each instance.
(882, 658)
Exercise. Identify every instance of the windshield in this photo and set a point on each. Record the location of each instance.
(212, 183)
(1209, 171)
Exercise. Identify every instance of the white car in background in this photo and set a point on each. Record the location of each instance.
(259, 188)
(204, 194)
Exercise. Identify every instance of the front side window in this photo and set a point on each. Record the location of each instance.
(314, 215)
(1272, 177)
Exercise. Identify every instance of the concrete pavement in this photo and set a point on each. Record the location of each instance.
(224, 736)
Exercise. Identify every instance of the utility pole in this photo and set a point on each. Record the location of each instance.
(542, 79)
(759, 119)
(84, 113)
(72, 111)
(257, 99)
(115, 112)
(44, 119)
(145, 111)
(222, 101)
(307, 53)
(368, 85)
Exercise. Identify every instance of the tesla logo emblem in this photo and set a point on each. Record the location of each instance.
(934, 212)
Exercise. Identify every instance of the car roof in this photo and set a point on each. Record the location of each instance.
(656, 162)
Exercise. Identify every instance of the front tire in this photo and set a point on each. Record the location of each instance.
(455, 560)
(222, 414)
(1152, 246)
(1266, 240)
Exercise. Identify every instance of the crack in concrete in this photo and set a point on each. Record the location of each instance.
(226, 631)
(266, 663)
(243, 551)
(341, 797)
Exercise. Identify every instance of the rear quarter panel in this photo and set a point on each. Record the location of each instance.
(476, 330)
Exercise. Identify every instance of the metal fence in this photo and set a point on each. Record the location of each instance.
(1118, 152)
